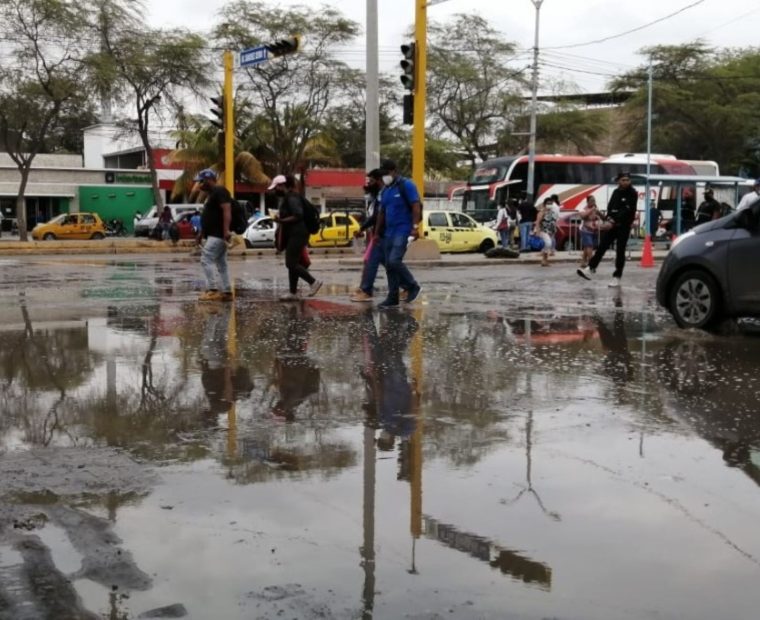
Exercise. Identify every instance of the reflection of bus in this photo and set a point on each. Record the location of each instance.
(571, 177)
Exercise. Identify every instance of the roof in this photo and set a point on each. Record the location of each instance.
(692, 178)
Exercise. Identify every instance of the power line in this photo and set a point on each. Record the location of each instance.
(627, 32)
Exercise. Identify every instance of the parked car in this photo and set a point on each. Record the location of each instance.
(184, 227)
(453, 231)
(71, 226)
(145, 227)
(260, 233)
(710, 274)
(335, 229)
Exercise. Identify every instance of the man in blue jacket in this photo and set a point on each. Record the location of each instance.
(398, 220)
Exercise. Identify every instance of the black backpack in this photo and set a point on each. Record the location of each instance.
(238, 219)
(310, 216)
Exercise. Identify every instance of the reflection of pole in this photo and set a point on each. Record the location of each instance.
(368, 505)
(231, 363)
(415, 447)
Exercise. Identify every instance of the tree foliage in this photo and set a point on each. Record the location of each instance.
(291, 94)
(474, 89)
(706, 104)
(41, 88)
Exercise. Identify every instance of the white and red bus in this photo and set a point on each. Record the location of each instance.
(572, 177)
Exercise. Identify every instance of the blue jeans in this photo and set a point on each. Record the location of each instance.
(398, 273)
(375, 258)
(504, 236)
(525, 228)
(214, 257)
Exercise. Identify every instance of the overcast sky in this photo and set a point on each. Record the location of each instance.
(563, 22)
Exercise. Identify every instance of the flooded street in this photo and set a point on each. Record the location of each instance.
(520, 444)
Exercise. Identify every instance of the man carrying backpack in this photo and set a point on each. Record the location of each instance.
(294, 234)
(399, 219)
(216, 220)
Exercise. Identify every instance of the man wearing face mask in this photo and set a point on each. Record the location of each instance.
(399, 218)
(374, 255)
(295, 237)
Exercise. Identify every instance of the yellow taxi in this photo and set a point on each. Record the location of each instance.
(335, 229)
(71, 226)
(453, 231)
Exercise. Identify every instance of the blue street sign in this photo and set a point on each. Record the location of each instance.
(254, 56)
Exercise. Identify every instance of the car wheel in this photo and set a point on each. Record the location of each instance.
(49, 237)
(248, 244)
(695, 300)
(487, 244)
(97, 236)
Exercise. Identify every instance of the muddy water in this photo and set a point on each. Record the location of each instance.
(320, 460)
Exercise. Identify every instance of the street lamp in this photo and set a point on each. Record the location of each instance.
(533, 105)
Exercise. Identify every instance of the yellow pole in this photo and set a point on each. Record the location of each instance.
(229, 125)
(420, 95)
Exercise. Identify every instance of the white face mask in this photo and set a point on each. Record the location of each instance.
(387, 179)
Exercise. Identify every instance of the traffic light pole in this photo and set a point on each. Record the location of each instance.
(420, 96)
(229, 125)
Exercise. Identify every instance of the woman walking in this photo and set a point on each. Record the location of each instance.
(589, 228)
(293, 236)
(546, 228)
(502, 225)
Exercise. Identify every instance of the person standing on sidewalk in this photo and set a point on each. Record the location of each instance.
(502, 226)
(545, 228)
(621, 211)
(399, 219)
(295, 236)
(215, 229)
(528, 214)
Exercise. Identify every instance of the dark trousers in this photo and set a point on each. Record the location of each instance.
(399, 275)
(375, 258)
(619, 235)
(296, 243)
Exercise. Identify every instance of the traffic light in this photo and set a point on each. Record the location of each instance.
(218, 112)
(408, 77)
(284, 46)
(408, 110)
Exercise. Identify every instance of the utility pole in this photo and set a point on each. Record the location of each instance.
(533, 105)
(647, 257)
(420, 96)
(372, 113)
(229, 125)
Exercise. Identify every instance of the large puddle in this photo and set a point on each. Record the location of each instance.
(321, 460)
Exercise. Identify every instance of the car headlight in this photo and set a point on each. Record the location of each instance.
(680, 238)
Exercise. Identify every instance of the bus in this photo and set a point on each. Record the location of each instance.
(572, 177)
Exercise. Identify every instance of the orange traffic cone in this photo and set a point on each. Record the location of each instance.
(647, 258)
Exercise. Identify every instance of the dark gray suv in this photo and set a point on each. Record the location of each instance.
(713, 271)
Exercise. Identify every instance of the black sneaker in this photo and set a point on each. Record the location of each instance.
(413, 294)
(388, 304)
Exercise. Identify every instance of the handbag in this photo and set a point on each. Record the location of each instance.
(535, 243)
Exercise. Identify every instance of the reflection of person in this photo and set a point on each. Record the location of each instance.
(222, 384)
(296, 375)
(388, 388)
(618, 361)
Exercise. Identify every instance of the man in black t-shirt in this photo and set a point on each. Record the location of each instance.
(215, 229)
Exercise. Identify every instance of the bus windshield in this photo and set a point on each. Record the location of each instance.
(490, 172)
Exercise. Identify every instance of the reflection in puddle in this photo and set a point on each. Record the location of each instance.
(432, 449)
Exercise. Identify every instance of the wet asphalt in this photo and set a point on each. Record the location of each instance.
(517, 444)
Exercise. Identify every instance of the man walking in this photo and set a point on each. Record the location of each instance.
(399, 219)
(621, 211)
(215, 229)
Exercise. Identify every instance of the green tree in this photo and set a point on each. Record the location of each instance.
(474, 89)
(706, 104)
(42, 90)
(145, 69)
(291, 93)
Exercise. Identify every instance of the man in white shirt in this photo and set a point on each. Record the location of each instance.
(750, 197)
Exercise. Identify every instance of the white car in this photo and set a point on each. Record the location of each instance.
(260, 234)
